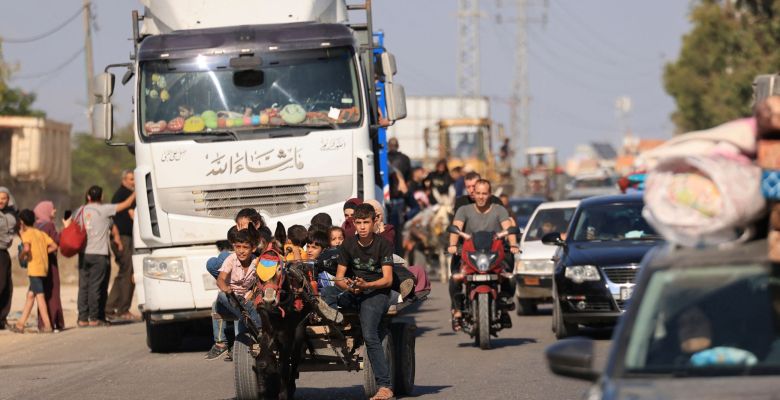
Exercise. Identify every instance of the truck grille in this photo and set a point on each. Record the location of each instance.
(272, 200)
(619, 275)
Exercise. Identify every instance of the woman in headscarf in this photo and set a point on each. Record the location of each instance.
(44, 216)
(7, 231)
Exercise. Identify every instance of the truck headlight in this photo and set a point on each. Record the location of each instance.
(171, 269)
(535, 266)
(582, 273)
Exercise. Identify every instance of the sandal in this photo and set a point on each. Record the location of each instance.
(83, 324)
(15, 329)
(456, 326)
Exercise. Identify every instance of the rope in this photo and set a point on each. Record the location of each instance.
(55, 70)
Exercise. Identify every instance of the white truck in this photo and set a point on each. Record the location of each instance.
(241, 103)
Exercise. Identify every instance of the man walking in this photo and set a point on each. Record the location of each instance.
(396, 207)
(121, 295)
(94, 264)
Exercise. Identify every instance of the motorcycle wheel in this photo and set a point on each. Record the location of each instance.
(482, 308)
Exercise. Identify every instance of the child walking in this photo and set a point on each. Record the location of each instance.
(36, 247)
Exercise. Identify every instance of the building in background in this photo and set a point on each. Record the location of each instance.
(35, 156)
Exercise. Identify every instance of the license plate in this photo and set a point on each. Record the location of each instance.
(482, 278)
(531, 281)
(209, 283)
(626, 292)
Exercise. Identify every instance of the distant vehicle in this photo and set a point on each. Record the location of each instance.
(534, 267)
(597, 262)
(523, 208)
(585, 186)
(703, 324)
(542, 174)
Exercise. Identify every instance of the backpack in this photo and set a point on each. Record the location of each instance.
(74, 237)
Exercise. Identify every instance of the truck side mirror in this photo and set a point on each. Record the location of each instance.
(103, 110)
(396, 101)
(103, 120)
(388, 66)
(104, 87)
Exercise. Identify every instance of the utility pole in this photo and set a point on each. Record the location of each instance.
(519, 113)
(89, 65)
(468, 56)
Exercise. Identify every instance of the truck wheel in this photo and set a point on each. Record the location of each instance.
(404, 338)
(482, 308)
(369, 380)
(162, 338)
(526, 307)
(245, 366)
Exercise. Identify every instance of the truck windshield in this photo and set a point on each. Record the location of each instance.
(720, 320)
(205, 96)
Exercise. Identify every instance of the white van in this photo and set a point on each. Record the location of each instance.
(534, 267)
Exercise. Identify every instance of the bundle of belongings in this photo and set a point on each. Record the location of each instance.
(704, 188)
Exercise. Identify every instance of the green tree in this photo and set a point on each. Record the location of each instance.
(95, 163)
(731, 42)
(14, 101)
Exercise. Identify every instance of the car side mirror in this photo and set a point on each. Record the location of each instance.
(572, 358)
(453, 229)
(553, 239)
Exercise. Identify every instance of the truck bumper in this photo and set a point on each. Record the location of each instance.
(165, 317)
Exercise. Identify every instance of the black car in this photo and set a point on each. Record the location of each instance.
(596, 265)
(523, 208)
(703, 324)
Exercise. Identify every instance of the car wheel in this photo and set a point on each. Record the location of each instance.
(561, 328)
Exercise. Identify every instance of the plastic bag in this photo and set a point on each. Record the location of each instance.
(703, 200)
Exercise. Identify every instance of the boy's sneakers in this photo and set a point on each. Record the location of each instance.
(329, 312)
(406, 287)
(216, 351)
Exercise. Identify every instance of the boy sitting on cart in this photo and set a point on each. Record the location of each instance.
(368, 261)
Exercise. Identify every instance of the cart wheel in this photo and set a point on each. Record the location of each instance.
(245, 366)
(369, 381)
(404, 338)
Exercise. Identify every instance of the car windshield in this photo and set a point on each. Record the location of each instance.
(524, 208)
(619, 221)
(721, 320)
(546, 221)
(205, 96)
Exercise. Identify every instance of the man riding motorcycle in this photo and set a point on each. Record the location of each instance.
(483, 215)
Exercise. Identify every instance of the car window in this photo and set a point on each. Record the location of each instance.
(719, 320)
(546, 221)
(524, 208)
(620, 221)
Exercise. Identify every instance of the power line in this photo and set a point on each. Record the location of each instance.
(601, 39)
(45, 34)
(54, 70)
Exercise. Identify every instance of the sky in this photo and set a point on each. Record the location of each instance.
(587, 55)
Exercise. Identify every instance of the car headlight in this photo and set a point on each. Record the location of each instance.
(535, 266)
(482, 261)
(582, 273)
(171, 269)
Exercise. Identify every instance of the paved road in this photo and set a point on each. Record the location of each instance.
(114, 363)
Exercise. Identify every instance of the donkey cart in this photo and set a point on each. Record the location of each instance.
(294, 338)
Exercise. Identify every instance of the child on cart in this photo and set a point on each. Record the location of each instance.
(368, 261)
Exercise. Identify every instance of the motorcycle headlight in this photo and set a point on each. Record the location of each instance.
(582, 273)
(535, 266)
(482, 261)
(171, 269)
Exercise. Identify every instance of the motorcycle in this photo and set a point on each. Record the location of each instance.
(482, 272)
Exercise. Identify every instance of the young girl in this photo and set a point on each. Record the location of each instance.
(336, 236)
